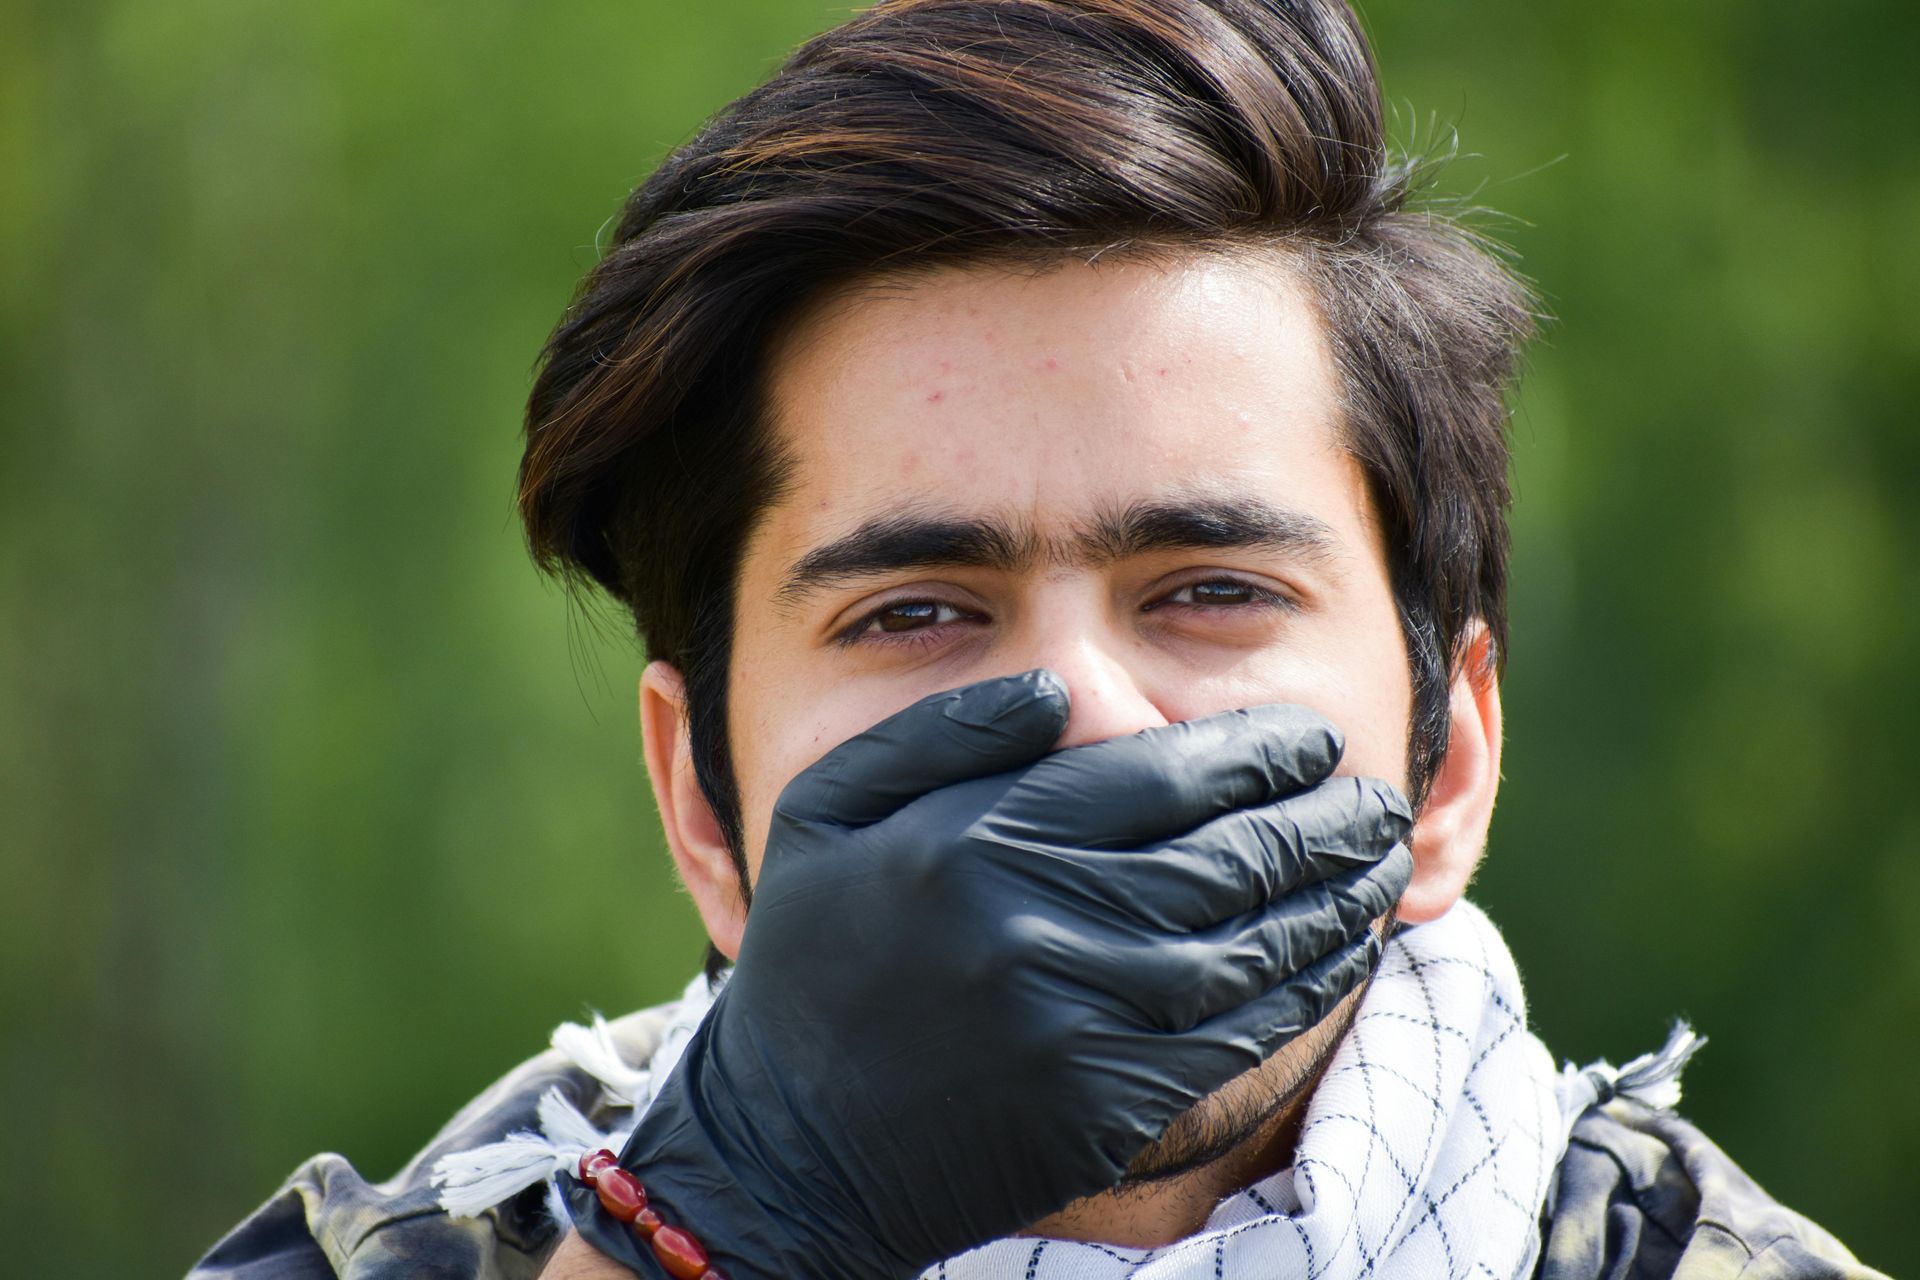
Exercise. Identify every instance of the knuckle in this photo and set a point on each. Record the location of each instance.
(1396, 815)
(1304, 733)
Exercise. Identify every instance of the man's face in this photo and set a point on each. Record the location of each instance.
(1128, 473)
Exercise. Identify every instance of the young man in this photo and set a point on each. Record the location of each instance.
(1062, 489)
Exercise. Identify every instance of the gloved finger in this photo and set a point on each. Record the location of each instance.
(983, 728)
(1126, 791)
(1183, 982)
(1234, 864)
(1239, 1039)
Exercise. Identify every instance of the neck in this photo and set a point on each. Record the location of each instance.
(1149, 1215)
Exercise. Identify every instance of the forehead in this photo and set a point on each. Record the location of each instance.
(1046, 398)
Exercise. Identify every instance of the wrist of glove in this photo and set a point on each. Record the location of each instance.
(701, 1159)
(980, 975)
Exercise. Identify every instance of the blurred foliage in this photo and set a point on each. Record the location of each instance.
(320, 809)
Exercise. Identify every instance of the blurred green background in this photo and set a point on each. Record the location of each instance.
(318, 810)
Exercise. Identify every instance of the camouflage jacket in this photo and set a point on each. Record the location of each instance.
(1642, 1195)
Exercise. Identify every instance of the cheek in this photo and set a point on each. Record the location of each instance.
(1360, 685)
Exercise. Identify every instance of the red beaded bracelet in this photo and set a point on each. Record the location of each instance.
(623, 1197)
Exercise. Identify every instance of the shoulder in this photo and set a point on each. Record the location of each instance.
(326, 1220)
(1642, 1192)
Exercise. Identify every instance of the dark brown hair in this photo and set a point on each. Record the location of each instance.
(941, 131)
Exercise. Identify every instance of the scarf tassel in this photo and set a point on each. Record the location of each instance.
(473, 1181)
(1652, 1079)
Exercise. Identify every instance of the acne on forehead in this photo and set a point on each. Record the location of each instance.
(949, 378)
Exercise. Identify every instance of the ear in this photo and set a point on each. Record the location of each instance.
(693, 833)
(1451, 832)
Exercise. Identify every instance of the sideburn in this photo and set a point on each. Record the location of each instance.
(708, 746)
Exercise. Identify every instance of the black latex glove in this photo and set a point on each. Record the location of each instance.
(977, 977)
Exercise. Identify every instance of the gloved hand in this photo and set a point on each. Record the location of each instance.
(977, 977)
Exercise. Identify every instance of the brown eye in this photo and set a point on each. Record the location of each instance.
(908, 616)
(907, 622)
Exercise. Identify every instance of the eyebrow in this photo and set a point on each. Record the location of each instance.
(1211, 522)
(923, 540)
(907, 540)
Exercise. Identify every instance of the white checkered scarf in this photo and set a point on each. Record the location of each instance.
(1428, 1148)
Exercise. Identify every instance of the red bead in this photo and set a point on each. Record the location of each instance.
(592, 1162)
(621, 1192)
(647, 1222)
(679, 1253)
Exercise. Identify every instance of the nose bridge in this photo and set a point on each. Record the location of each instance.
(1109, 691)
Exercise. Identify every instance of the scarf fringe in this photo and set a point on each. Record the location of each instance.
(471, 1182)
(592, 1050)
(475, 1180)
(1652, 1079)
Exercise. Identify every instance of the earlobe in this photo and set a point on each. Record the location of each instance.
(693, 833)
(1451, 833)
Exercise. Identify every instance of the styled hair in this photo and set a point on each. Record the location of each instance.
(930, 132)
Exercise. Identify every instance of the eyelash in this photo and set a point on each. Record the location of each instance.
(1264, 597)
(862, 631)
